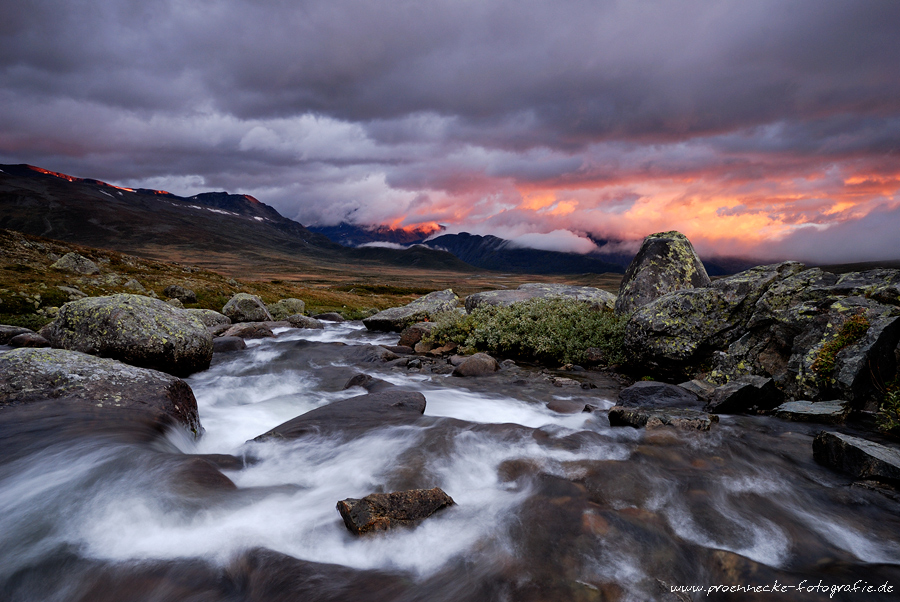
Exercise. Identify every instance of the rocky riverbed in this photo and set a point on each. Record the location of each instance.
(551, 502)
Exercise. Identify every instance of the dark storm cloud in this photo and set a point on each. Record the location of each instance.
(462, 110)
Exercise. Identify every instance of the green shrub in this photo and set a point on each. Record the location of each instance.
(889, 411)
(547, 330)
(851, 331)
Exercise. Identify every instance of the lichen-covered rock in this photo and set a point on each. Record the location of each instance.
(244, 307)
(594, 296)
(175, 303)
(134, 286)
(383, 511)
(422, 309)
(861, 458)
(680, 329)
(76, 264)
(680, 418)
(301, 321)
(185, 295)
(280, 310)
(414, 333)
(209, 317)
(746, 394)
(35, 375)
(136, 330)
(666, 262)
(479, 364)
(787, 339)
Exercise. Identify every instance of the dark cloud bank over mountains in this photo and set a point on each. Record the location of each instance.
(759, 128)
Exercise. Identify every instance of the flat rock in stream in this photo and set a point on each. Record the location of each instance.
(354, 416)
(824, 412)
(226, 344)
(748, 393)
(249, 330)
(684, 419)
(383, 511)
(858, 457)
(479, 364)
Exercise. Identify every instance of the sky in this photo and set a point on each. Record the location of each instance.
(766, 128)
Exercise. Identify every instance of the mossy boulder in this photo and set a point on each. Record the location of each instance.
(679, 330)
(29, 376)
(666, 262)
(244, 307)
(780, 321)
(594, 296)
(286, 307)
(422, 309)
(135, 330)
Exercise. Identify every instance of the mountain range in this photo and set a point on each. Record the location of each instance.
(232, 232)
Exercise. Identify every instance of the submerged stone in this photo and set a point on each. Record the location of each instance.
(383, 511)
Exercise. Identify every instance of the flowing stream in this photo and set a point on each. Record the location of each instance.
(550, 506)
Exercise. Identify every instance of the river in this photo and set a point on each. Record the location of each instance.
(549, 505)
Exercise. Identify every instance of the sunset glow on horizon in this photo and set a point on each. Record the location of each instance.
(761, 130)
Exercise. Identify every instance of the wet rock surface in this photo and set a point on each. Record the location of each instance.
(224, 344)
(28, 339)
(858, 457)
(133, 329)
(383, 511)
(29, 376)
(746, 394)
(301, 321)
(7, 332)
(655, 394)
(639, 417)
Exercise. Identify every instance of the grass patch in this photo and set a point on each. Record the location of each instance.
(851, 331)
(889, 411)
(546, 330)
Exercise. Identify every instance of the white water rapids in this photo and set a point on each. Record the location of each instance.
(748, 487)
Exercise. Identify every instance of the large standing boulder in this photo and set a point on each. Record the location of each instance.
(286, 307)
(594, 296)
(35, 375)
(679, 330)
(76, 264)
(383, 511)
(136, 330)
(244, 307)
(666, 262)
(422, 309)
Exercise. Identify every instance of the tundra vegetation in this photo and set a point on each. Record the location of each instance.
(547, 330)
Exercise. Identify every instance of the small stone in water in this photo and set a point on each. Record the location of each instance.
(383, 511)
